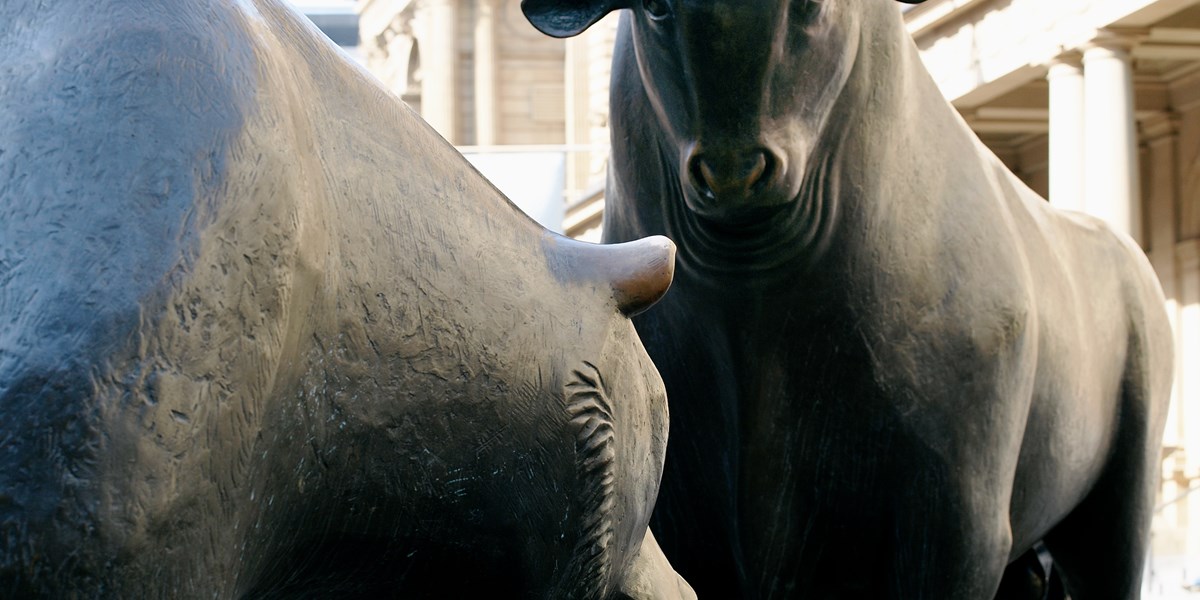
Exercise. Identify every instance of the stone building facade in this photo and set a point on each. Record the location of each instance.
(490, 83)
(474, 69)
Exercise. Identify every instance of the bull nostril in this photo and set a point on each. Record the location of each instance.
(758, 166)
(766, 173)
(699, 173)
(708, 176)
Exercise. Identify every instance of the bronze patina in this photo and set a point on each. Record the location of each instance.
(263, 334)
(892, 367)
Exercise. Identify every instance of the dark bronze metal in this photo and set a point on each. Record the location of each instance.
(264, 334)
(892, 367)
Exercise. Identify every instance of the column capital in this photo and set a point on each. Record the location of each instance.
(1069, 63)
(1113, 42)
(1161, 127)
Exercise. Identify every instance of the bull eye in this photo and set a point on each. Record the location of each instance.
(806, 10)
(657, 9)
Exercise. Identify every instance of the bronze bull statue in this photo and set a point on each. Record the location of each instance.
(264, 334)
(893, 368)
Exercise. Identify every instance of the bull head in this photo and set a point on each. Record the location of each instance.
(742, 89)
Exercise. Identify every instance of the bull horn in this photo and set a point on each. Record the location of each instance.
(642, 273)
(638, 272)
(567, 18)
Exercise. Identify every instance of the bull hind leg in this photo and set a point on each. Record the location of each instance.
(1027, 578)
(1032, 576)
(1100, 548)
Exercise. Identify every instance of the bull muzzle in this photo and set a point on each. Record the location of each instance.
(726, 183)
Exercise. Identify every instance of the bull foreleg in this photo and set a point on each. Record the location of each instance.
(950, 541)
(951, 512)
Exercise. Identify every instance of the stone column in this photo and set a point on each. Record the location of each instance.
(1112, 190)
(1187, 259)
(486, 100)
(1066, 133)
(578, 110)
(1160, 160)
(439, 59)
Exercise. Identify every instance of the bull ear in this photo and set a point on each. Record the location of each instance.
(566, 18)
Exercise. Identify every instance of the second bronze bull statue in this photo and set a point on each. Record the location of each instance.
(892, 367)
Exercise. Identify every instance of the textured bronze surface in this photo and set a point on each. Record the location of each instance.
(264, 334)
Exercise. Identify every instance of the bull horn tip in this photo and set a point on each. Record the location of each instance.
(647, 277)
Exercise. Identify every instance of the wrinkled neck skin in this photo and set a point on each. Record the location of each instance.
(768, 251)
(846, 187)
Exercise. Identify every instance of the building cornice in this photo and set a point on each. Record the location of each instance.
(931, 13)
